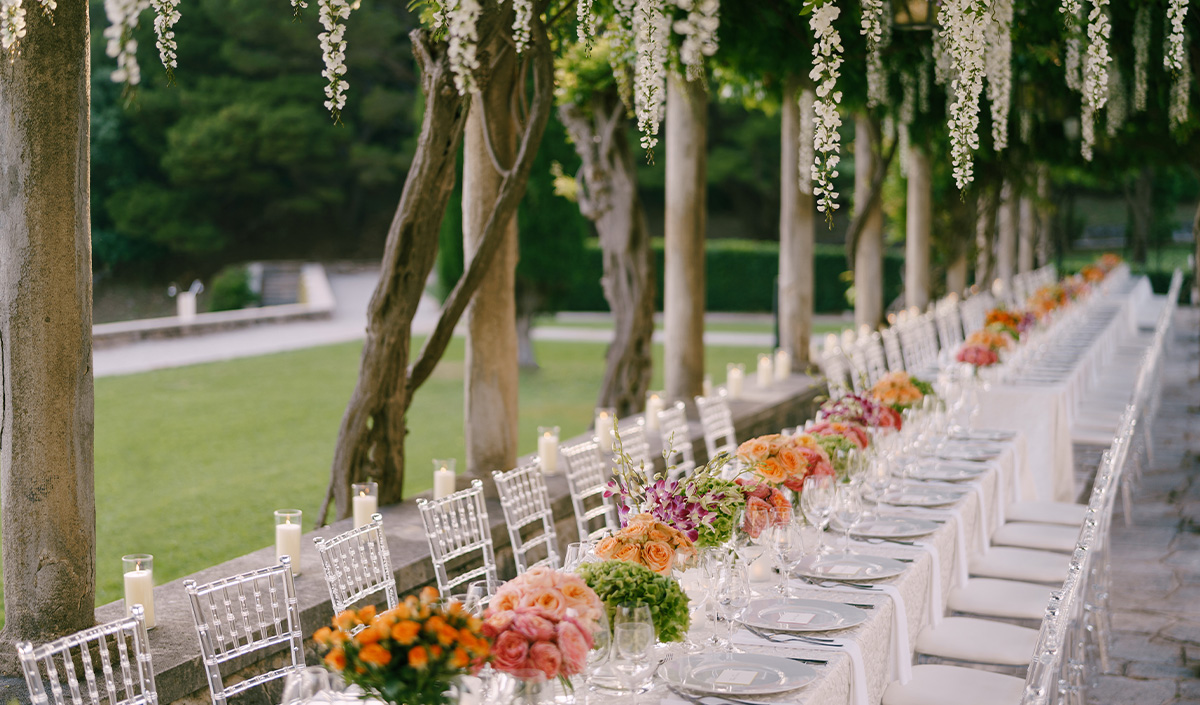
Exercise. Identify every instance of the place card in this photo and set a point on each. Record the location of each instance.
(843, 570)
(736, 677)
(796, 617)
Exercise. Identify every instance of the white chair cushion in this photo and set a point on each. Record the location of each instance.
(1065, 513)
(1026, 564)
(1006, 599)
(978, 641)
(953, 685)
(1046, 537)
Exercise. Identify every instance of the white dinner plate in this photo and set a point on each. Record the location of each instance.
(893, 527)
(915, 495)
(849, 566)
(800, 615)
(736, 674)
(972, 450)
(984, 434)
(949, 471)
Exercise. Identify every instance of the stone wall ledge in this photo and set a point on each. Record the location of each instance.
(174, 644)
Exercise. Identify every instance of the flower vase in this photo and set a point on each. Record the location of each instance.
(527, 689)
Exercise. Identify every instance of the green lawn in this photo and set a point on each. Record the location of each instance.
(751, 326)
(191, 462)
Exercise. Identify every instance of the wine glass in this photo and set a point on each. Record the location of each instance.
(575, 555)
(816, 501)
(598, 656)
(847, 509)
(733, 595)
(787, 544)
(752, 521)
(633, 639)
(305, 685)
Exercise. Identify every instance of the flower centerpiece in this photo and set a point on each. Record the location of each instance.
(540, 624)
(781, 460)
(621, 582)
(1047, 300)
(648, 542)
(761, 500)
(854, 432)
(989, 338)
(977, 356)
(900, 390)
(862, 410)
(1002, 320)
(408, 654)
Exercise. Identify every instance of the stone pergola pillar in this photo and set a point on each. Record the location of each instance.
(1026, 234)
(956, 274)
(1006, 235)
(490, 370)
(868, 255)
(796, 226)
(683, 278)
(917, 228)
(984, 227)
(47, 491)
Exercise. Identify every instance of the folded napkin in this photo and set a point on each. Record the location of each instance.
(961, 557)
(858, 669)
(935, 582)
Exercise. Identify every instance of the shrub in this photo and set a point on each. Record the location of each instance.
(230, 289)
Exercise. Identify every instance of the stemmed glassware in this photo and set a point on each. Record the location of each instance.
(847, 509)
(632, 643)
(733, 595)
(749, 533)
(816, 501)
(787, 545)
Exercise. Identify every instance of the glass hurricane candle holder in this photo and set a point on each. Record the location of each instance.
(444, 477)
(288, 530)
(138, 569)
(547, 449)
(606, 418)
(365, 499)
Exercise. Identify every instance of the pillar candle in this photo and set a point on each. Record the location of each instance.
(765, 373)
(548, 450)
(706, 387)
(783, 364)
(139, 589)
(444, 480)
(287, 538)
(733, 381)
(604, 427)
(654, 404)
(364, 506)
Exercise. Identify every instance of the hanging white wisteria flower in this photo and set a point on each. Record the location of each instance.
(827, 60)
(650, 72)
(523, 10)
(1181, 89)
(1087, 131)
(876, 26)
(908, 112)
(804, 161)
(699, 32)
(12, 24)
(461, 19)
(1141, 56)
(924, 89)
(333, 50)
(585, 29)
(943, 63)
(999, 70)
(1025, 118)
(1072, 11)
(1095, 75)
(1174, 56)
(965, 24)
(1117, 102)
(298, 5)
(166, 14)
(122, 20)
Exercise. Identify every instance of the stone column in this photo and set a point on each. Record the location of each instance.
(47, 493)
(490, 370)
(917, 228)
(1006, 235)
(1026, 235)
(1044, 215)
(984, 224)
(956, 274)
(868, 255)
(683, 278)
(796, 235)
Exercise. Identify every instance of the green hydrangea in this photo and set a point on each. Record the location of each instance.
(719, 528)
(831, 445)
(618, 582)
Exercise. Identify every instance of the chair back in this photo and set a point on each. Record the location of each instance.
(457, 528)
(358, 566)
(633, 443)
(717, 421)
(974, 312)
(127, 679)
(241, 614)
(838, 375)
(587, 475)
(949, 323)
(676, 441)
(868, 355)
(526, 505)
(891, 348)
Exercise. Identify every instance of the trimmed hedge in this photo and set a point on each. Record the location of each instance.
(740, 276)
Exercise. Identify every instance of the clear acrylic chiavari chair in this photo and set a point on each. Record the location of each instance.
(949, 322)
(892, 349)
(717, 421)
(460, 537)
(836, 367)
(241, 614)
(676, 441)
(633, 443)
(526, 505)
(125, 675)
(587, 475)
(358, 566)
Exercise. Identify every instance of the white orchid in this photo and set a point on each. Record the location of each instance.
(827, 60)
(1174, 54)
(999, 70)
(965, 24)
(1095, 75)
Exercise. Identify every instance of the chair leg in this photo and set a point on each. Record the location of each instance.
(1149, 447)
(1127, 501)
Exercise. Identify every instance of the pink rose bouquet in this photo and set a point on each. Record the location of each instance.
(853, 432)
(977, 355)
(540, 624)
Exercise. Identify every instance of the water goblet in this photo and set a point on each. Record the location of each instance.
(733, 595)
(787, 544)
(816, 501)
(847, 509)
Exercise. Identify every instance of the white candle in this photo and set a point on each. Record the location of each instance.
(287, 543)
(706, 386)
(783, 364)
(654, 404)
(733, 381)
(604, 427)
(139, 590)
(443, 482)
(364, 506)
(765, 372)
(548, 452)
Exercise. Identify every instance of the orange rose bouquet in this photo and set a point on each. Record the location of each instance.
(648, 542)
(900, 390)
(779, 460)
(408, 654)
(1108, 262)
(994, 340)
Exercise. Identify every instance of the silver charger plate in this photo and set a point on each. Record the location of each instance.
(947, 471)
(801, 615)
(914, 495)
(984, 434)
(849, 566)
(736, 674)
(971, 450)
(893, 527)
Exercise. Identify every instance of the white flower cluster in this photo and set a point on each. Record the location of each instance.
(1026, 123)
(965, 22)
(1174, 56)
(122, 20)
(699, 32)
(1072, 11)
(166, 14)
(585, 30)
(651, 34)
(924, 89)
(1118, 104)
(999, 70)
(827, 60)
(876, 26)
(333, 51)
(1095, 76)
(1141, 57)
(1180, 96)
(297, 6)
(943, 63)
(12, 24)
(805, 157)
(524, 15)
(908, 111)
(461, 18)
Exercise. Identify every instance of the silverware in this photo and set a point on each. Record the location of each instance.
(713, 699)
(788, 637)
(838, 583)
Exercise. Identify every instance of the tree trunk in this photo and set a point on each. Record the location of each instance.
(686, 145)
(1045, 216)
(917, 229)
(490, 372)
(1142, 210)
(371, 438)
(796, 226)
(868, 250)
(985, 228)
(1006, 235)
(956, 274)
(47, 492)
(1026, 235)
(608, 197)
(527, 305)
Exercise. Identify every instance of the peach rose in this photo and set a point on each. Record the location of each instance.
(790, 460)
(757, 516)
(629, 553)
(659, 535)
(772, 471)
(658, 557)
(549, 601)
(754, 450)
(573, 643)
(635, 531)
(607, 547)
(579, 596)
(506, 598)
(539, 577)
(510, 651)
(495, 623)
(532, 626)
(546, 658)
